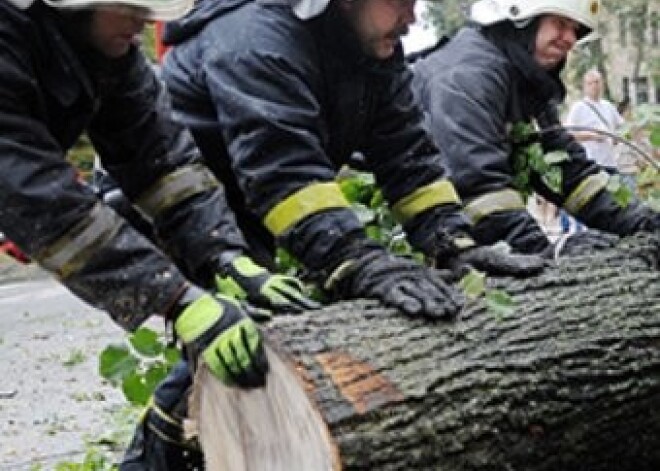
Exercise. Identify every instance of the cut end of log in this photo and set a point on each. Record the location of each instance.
(275, 428)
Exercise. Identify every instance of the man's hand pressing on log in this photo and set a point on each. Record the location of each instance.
(229, 342)
(371, 272)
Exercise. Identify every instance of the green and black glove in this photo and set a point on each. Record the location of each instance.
(215, 328)
(241, 278)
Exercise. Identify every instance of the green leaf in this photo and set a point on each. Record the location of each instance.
(146, 342)
(553, 179)
(136, 389)
(654, 138)
(363, 213)
(350, 187)
(556, 157)
(620, 192)
(377, 200)
(374, 232)
(473, 284)
(154, 375)
(116, 362)
(172, 355)
(500, 303)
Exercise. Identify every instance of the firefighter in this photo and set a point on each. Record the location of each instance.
(71, 67)
(502, 70)
(279, 95)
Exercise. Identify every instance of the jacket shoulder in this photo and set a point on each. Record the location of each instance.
(468, 47)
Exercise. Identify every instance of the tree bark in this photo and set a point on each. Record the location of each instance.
(569, 381)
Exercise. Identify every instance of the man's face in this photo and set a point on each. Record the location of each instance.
(593, 85)
(379, 24)
(555, 38)
(114, 28)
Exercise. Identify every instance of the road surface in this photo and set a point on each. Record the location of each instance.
(52, 400)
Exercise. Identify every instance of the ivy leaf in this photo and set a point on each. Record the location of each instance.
(473, 284)
(500, 303)
(145, 341)
(116, 362)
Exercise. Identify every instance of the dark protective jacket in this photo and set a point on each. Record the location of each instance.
(284, 104)
(52, 89)
(473, 93)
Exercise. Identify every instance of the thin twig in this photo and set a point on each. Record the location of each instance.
(640, 152)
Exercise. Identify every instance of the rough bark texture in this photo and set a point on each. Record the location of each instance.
(570, 381)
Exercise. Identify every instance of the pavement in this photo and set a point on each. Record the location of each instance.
(53, 402)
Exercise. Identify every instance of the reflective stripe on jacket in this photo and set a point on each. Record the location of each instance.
(472, 95)
(52, 89)
(285, 103)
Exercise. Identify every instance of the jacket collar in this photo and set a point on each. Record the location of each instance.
(67, 76)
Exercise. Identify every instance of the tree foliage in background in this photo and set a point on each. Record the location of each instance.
(448, 16)
(625, 23)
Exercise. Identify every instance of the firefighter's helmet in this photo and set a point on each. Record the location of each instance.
(306, 9)
(161, 10)
(584, 12)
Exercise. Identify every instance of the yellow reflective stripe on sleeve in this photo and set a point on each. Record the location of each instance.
(494, 202)
(174, 188)
(310, 200)
(428, 196)
(71, 251)
(585, 191)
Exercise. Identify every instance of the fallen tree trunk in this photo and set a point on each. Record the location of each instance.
(569, 381)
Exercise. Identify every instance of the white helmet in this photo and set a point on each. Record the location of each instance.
(585, 12)
(306, 9)
(159, 10)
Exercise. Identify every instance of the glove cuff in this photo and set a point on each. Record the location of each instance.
(198, 318)
(318, 239)
(441, 232)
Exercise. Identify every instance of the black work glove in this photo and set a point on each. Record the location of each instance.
(581, 243)
(496, 260)
(398, 282)
(442, 234)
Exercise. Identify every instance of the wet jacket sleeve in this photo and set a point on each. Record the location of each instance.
(271, 121)
(58, 221)
(466, 112)
(584, 193)
(158, 167)
(409, 169)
